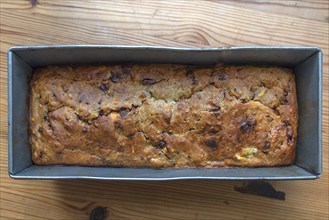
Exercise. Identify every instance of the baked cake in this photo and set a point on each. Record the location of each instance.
(162, 115)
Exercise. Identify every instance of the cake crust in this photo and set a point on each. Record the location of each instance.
(163, 116)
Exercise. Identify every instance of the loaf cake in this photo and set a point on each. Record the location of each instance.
(163, 115)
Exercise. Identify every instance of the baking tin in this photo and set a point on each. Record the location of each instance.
(306, 61)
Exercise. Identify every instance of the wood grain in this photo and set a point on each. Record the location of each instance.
(169, 23)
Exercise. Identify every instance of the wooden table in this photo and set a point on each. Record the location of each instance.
(169, 23)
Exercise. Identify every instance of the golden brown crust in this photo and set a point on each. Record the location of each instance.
(163, 116)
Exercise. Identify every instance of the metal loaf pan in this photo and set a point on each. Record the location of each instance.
(306, 62)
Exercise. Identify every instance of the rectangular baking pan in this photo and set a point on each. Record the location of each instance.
(306, 62)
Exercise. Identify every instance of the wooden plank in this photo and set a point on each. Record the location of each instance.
(169, 23)
(314, 10)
